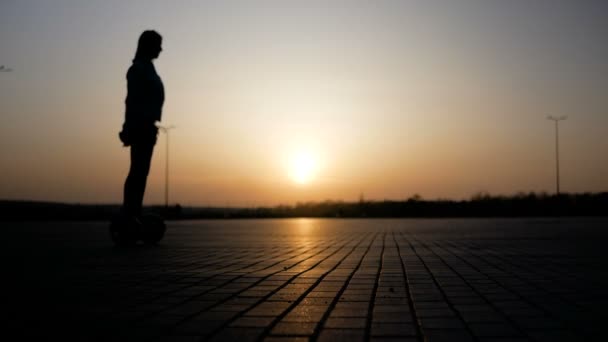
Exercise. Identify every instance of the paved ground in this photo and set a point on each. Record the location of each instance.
(305, 279)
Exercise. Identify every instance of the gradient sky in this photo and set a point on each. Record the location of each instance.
(392, 98)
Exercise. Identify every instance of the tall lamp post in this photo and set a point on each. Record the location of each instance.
(165, 129)
(557, 120)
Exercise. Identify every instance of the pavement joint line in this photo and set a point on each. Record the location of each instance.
(527, 269)
(314, 337)
(559, 275)
(261, 280)
(410, 298)
(554, 278)
(319, 281)
(142, 281)
(372, 302)
(441, 290)
(158, 276)
(562, 275)
(228, 282)
(453, 279)
(263, 299)
(519, 328)
(210, 278)
(252, 284)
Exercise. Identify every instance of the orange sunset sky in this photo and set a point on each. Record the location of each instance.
(285, 101)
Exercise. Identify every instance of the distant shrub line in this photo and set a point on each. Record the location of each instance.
(480, 205)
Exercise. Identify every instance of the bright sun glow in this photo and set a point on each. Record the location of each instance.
(303, 168)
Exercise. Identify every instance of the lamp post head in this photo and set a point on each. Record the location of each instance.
(165, 129)
(550, 117)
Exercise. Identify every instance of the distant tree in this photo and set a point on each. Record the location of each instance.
(415, 198)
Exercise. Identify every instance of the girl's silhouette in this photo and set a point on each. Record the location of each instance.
(145, 97)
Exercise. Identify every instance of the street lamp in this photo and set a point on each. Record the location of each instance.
(166, 131)
(557, 120)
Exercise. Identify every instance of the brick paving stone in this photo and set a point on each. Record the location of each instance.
(442, 323)
(238, 334)
(177, 338)
(392, 339)
(252, 322)
(198, 327)
(316, 301)
(349, 312)
(306, 313)
(393, 329)
(443, 335)
(506, 280)
(397, 309)
(346, 322)
(481, 316)
(323, 294)
(493, 329)
(392, 317)
(294, 328)
(558, 335)
(537, 323)
(286, 339)
(443, 312)
(341, 335)
(269, 309)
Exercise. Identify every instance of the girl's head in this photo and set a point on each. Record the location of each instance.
(149, 45)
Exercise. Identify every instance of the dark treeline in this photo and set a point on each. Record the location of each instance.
(481, 205)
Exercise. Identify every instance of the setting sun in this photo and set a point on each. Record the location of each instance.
(303, 168)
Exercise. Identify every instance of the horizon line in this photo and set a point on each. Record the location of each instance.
(415, 197)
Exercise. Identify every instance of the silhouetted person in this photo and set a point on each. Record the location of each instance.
(145, 97)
